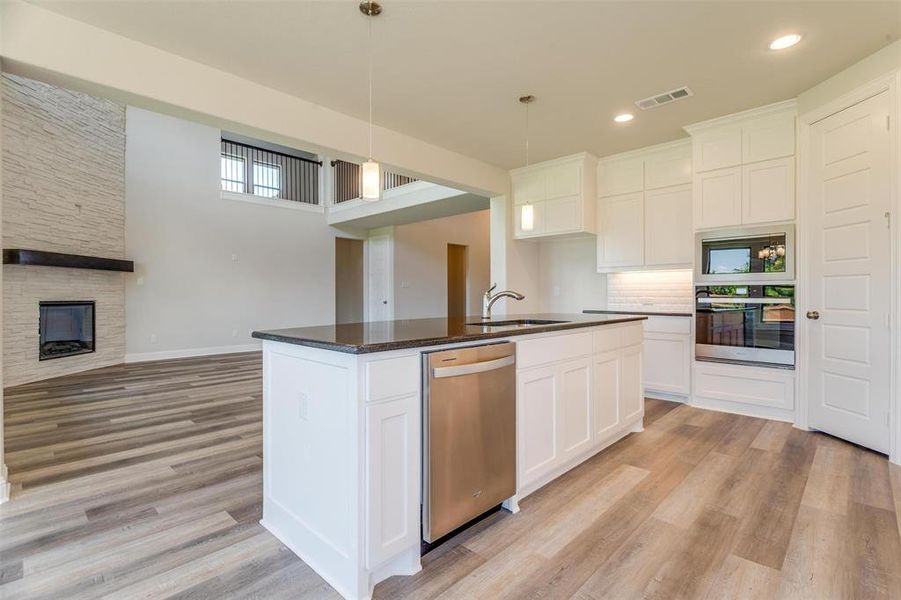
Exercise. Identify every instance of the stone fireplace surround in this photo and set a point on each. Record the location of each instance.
(63, 191)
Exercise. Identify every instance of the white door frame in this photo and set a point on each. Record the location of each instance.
(890, 83)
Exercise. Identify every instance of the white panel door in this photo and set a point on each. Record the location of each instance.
(575, 406)
(668, 236)
(631, 397)
(392, 477)
(717, 198)
(536, 404)
(621, 231)
(381, 275)
(768, 191)
(606, 394)
(850, 274)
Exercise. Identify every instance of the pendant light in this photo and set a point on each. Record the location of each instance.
(527, 211)
(371, 171)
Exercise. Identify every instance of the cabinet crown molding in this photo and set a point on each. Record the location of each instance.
(556, 161)
(743, 116)
(648, 150)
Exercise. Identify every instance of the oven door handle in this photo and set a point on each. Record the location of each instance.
(473, 368)
(727, 300)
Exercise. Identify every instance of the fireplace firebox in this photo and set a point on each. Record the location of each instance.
(66, 328)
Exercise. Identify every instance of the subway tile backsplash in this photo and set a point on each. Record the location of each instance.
(666, 291)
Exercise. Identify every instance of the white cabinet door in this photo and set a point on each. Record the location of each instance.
(621, 231)
(768, 191)
(529, 187)
(392, 477)
(631, 397)
(563, 214)
(575, 407)
(539, 221)
(665, 169)
(668, 235)
(717, 149)
(606, 394)
(616, 177)
(717, 198)
(536, 413)
(564, 180)
(769, 137)
(667, 363)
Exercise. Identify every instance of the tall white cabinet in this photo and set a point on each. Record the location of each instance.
(645, 209)
(744, 167)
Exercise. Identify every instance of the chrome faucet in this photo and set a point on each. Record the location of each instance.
(489, 299)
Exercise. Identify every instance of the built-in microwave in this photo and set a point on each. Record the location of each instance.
(749, 255)
(745, 323)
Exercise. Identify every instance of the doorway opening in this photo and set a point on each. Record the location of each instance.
(348, 281)
(457, 276)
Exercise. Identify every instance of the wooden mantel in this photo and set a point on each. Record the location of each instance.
(17, 256)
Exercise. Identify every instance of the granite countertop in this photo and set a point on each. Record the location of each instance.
(646, 313)
(382, 336)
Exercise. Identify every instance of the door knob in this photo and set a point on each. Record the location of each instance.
(812, 314)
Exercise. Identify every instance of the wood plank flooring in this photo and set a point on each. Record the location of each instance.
(144, 481)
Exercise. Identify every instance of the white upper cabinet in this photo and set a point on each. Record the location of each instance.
(645, 209)
(555, 198)
(744, 167)
(667, 226)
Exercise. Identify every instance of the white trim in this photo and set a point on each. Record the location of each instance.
(276, 202)
(664, 147)
(740, 117)
(4, 484)
(407, 188)
(191, 352)
(556, 161)
(891, 83)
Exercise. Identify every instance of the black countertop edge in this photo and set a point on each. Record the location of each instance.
(283, 336)
(649, 313)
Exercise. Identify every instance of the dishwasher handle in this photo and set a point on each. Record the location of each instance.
(472, 368)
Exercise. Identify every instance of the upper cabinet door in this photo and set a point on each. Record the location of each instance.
(620, 176)
(664, 169)
(563, 215)
(564, 180)
(717, 198)
(529, 187)
(668, 226)
(717, 149)
(621, 231)
(768, 191)
(768, 138)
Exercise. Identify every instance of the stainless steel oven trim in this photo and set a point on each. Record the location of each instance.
(756, 278)
(741, 300)
(757, 355)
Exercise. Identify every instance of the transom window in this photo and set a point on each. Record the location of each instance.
(270, 171)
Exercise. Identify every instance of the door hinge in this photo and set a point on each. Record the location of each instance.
(888, 122)
(888, 220)
(888, 419)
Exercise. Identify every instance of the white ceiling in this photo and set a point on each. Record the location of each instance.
(451, 72)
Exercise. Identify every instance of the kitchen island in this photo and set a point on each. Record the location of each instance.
(342, 426)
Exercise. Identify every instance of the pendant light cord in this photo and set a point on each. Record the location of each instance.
(527, 134)
(370, 86)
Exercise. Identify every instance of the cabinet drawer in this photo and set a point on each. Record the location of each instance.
(613, 337)
(540, 351)
(392, 377)
(680, 325)
(774, 388)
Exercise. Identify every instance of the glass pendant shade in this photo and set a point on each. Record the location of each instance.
(371, 180)
(527, 218)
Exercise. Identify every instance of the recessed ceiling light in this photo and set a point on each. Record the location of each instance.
(786, 41)
(624, 118)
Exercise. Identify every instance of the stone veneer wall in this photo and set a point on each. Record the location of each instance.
(63, 191)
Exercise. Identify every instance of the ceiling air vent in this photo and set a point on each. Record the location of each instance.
(664, 98)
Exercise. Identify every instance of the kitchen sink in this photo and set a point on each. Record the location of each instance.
(515, 323)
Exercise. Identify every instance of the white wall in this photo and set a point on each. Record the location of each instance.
(514, 263)
(420, 263)
(870, 68)
(570, 282)
(209, 270)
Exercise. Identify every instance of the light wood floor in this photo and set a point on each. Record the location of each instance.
(143, 481)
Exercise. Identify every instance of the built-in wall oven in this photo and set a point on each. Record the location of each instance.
(745, 323)
(749, 255)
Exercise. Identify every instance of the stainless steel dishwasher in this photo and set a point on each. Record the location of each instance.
(469, 434)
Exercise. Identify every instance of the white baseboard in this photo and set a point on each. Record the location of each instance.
(671, 397)
(191, 352)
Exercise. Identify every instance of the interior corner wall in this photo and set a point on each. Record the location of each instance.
(420, 263)
(209, 270)
(570, 282)
(515, 264)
